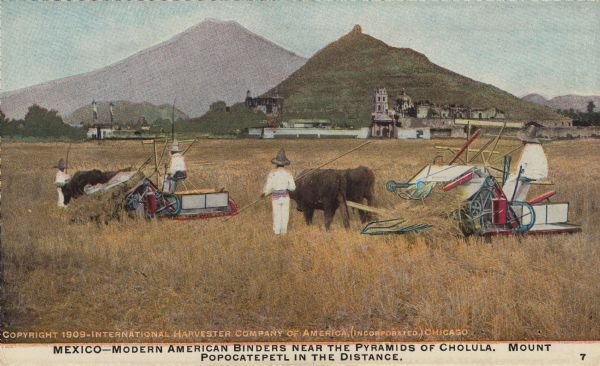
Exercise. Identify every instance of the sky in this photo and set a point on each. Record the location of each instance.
(552, 48)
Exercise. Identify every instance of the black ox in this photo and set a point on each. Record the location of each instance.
(329, 189)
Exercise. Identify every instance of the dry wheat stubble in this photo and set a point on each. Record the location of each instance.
(213, 274)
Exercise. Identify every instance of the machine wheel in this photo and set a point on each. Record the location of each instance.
(171, 205)
(475, 210)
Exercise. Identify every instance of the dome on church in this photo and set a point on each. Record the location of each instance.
(403, 96)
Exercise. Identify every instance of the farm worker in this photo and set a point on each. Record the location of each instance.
(61, 179)
(177, 168)
(532, 163)
(279, 183)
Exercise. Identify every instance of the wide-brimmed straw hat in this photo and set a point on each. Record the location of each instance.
(280, 159)
(61, 164)
(529, 135)
(175, 147)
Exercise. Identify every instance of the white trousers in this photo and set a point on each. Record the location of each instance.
(61, 198)
(281, 214)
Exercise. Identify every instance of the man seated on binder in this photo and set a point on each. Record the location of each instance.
(177, 169)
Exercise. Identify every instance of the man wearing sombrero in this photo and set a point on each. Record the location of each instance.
(60, 180)
(531, 166)
(177, 168)
(279, 183)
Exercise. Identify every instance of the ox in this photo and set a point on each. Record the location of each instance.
(329, 189)
(360, 186)
(321, 190)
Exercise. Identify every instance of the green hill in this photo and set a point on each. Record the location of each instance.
(338, 83)
(125, 112)
(234, 120)
(341, 78)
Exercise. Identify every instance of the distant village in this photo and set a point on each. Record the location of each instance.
(405, 120)
(110, 129)
(398, 117)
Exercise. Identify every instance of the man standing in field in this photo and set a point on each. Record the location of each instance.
(61, 179)
(177, 168)
(279, 183)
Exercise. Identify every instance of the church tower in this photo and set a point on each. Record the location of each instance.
(381, 100)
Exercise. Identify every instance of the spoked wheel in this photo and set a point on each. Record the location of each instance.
(525, 214)
(171, 205)
(475, 210)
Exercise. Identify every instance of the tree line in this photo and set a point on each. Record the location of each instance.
(39, 122)
(587, 118)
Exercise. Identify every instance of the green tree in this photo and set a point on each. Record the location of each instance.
(3, 123)
(218, 106)
(40, 122)
(590, 107)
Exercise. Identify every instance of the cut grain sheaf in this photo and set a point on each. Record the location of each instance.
(102, 207)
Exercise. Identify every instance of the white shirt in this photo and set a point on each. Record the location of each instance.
(534, 162)
(62, 178)
(279, 180)
(177, 164)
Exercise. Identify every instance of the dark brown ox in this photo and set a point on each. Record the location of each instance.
(329, 189)
(360, 186)
(75, 187)
(321, 190)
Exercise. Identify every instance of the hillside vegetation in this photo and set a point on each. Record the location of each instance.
(338, 83)
(235, 120)
(342, 78)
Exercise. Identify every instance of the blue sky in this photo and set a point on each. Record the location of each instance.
(548, 47)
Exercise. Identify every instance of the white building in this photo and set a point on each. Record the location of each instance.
(414, 133)
(100, 132)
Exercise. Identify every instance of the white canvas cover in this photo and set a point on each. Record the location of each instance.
(191, 201)
(217, 199)
(120, 177)
(552, 213)
(535, 166)
(204, 200)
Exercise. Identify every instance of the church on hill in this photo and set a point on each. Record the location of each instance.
(270, 106)
(384, 120)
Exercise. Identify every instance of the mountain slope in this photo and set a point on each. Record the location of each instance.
(211, 61)
(565, 102)
(342, 78)
(535, 98)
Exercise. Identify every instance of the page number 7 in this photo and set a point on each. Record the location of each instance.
(582, 356)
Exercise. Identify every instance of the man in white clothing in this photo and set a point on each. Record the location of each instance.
(279, 183)
(177, 168)
(532, 166)
(60, 180)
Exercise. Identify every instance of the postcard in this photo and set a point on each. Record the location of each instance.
(299, 182)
